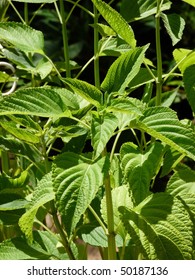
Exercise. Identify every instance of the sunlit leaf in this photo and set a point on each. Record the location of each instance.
(123, 70)
(184, 58)
(22, 36)
(116, 21)
(76, 180)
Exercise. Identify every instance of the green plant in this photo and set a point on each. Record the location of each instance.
(97, 187)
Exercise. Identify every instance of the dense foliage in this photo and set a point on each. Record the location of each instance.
(93, 148)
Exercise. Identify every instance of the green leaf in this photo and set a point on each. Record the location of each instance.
(42, 101)
(120, 197)
(76, 180)
(138, 9)
(191, 2)
(184, 58)
(102, 129)
(86, 90)
(44, 247)
(116, 21)
(140, 168)
(97, 237)
(162, 123)
(143, 77)
(42, 194)
(127, 105)
(14, 183)
(20, 148)
(35, 1)
(182, 182)
(20, 133)
(22, 37)
(160, 227)
(14, 205)
(174, 25)
(189, 84)
(123, 70)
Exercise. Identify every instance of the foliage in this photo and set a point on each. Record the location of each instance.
(105, 161)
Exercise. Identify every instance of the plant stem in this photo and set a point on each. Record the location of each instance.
(96, 51)
(159, 55)
(26, 19)
(65, 39)
(110, 220)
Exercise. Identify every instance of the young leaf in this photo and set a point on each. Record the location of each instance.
(116, 21)
(76, 180)
(174, 25)
(102, 129)
(162, 123)
(123, 70)
(22, 37)
(161, 228)
(42, 194)
(138, 9)
(184, 58)
(42, 101)
(189, 84)
(139, 168)
(86, 90)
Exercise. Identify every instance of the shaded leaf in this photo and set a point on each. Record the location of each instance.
(174, 25)
(189, 84)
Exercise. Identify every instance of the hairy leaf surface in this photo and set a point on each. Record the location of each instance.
(22, 36)
(139, 168)
(123, 70)
(161, 228)
(116, 21)
(162, 123)
(76, 180)
(43, 102)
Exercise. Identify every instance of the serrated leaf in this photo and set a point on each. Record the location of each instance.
(102, 129)
(140, 168)
(116, 21)
(44, 247)
(138, 9)
(120, 197)
(162, 123)
(182, 182)
(42, 101)
(20, 133)
(161, 228)
(143, 77)
(112, 47)
(86, 90)
(42, 194)
(22, 37)
(123, 70)
(126, 105)
(76, 180)
(7, 182)
(189, 84)
(184, 58)
(174, 25)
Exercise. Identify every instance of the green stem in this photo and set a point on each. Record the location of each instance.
(26, 19)
(98, 219)
(16, 11)
(65, 39)
(5, 162)
(110, 220)
(96, 51)
(159, 55)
